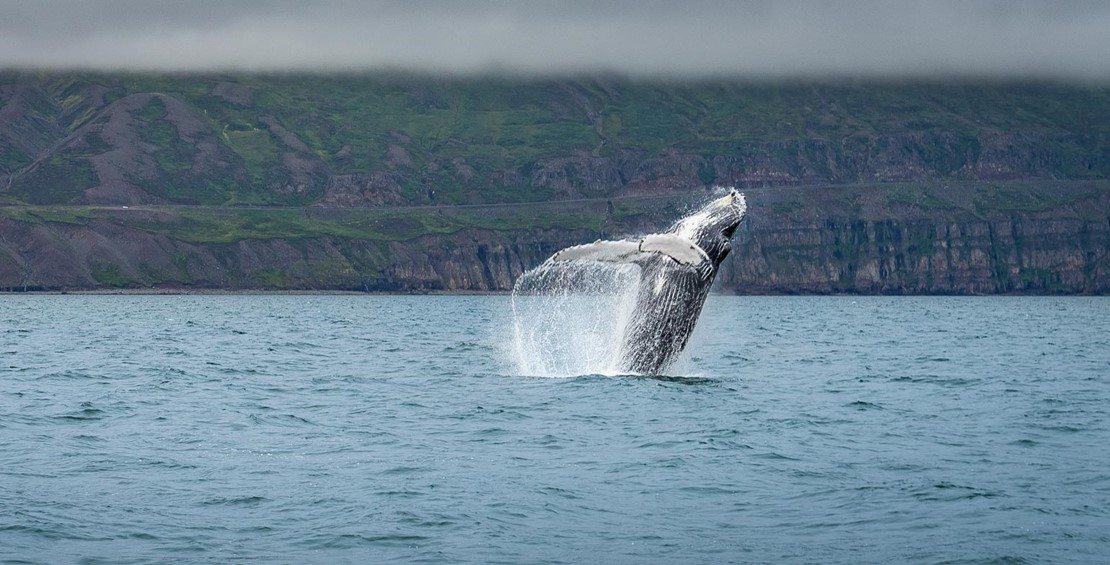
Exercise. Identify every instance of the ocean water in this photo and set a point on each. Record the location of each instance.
(371, 429)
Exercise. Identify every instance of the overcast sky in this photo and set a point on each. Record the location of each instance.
(1062, 39)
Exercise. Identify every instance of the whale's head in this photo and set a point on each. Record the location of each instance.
(712, 226)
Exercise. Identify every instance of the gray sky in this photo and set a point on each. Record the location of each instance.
(1062, 39)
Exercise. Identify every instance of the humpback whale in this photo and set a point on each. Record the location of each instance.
(677, 268)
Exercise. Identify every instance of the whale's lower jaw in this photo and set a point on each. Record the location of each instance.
(667, 307)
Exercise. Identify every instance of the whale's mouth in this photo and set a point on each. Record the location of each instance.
(722, 215)
(730, 199)
(737, 202)
(734, 205)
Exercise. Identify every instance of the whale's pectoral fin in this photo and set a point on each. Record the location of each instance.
(621, 251)
(676, 247)
(679, 249)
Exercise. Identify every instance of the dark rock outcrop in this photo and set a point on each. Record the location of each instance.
(816, 241)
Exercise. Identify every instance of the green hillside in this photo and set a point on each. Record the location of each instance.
(372, 139)
(398, 182)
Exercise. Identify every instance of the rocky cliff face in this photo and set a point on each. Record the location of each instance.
(814, 241)
(1020, 253)
(936, 241)
(102, 254)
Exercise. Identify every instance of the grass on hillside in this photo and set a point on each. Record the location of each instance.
(222, 225)
(502, 126)
(206, 225)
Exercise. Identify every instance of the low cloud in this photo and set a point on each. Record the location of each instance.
(1062, 39)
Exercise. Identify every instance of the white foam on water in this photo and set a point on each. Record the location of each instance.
(569, 318)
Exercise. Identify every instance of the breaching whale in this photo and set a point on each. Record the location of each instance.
(677, 268)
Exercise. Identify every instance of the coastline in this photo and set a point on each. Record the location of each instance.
(326, 292)
(243, 292)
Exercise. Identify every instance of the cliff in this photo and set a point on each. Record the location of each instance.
(396, 182)
(867, 239)
(942, 239)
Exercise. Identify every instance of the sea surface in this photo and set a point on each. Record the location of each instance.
(376, 429)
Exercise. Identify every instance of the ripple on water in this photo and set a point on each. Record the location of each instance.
(341, 429)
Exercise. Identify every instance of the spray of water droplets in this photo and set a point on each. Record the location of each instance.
(569, 318)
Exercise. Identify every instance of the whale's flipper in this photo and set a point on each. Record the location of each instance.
(620, 251)
(677, 248)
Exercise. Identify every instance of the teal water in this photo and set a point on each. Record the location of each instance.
(368, 429)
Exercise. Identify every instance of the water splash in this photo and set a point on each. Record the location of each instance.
(569, 318)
